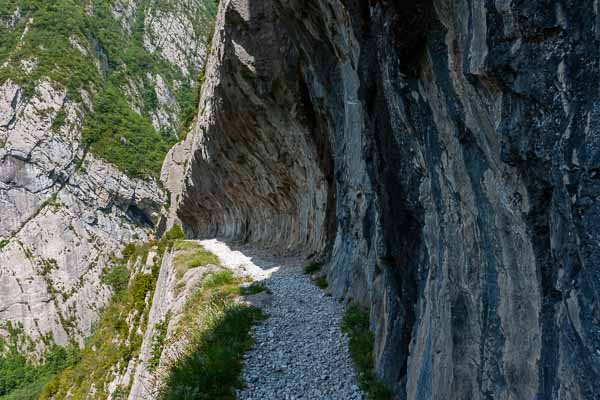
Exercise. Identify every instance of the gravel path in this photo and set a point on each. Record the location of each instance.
(300, 352)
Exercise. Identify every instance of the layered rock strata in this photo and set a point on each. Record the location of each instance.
(443, 156)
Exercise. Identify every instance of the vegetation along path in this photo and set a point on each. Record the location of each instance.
(300, 351)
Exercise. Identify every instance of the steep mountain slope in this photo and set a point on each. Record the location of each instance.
(92, 95)
(442, 155)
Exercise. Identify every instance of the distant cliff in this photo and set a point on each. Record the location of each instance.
(443, 156)
(92, 95)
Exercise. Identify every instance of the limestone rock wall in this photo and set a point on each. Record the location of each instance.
(444, 157)
(60, 223)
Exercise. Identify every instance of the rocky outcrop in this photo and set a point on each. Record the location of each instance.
(167, 304)
(442, 155)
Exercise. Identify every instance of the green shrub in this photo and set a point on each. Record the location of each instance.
(356, 325)
(312, 268)
(321, 282)
(22, 379)
(59, 120)
(140, 286)
(129, 250)
(170, 238)
(174, 233)
(158, 340)
(117, 277)
(15, 371)
(124, 138)
(134, 251)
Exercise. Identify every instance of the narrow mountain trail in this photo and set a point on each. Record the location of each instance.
(300, 351)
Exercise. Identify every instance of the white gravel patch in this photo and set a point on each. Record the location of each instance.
(235, 260)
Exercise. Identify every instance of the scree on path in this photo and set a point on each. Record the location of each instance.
(300, 351)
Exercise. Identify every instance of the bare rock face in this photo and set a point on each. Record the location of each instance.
(60, 221)
(177, 32)
(124, 11)
(444, 155)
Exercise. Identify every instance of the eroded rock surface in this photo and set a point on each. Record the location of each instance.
(443, 155)
(177, 30)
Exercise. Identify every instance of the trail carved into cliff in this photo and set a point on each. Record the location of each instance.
(300, 351)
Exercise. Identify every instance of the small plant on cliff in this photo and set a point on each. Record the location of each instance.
(356, 325)
(170, 238)
(116, 277)
(191, 255)
(59, 120)
(321, 282)
(158, 341)
(312, 268)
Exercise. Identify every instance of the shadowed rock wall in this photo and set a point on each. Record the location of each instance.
(444, 156)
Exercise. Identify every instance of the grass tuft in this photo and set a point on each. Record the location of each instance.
(356, 325)
(191, 255)
(312, 268)
(218, 280)
(321, 282)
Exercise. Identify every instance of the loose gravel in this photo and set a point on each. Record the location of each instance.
(300, 351)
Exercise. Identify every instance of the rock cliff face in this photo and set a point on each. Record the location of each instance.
(443, 156)
(64, 212)
(59, 223)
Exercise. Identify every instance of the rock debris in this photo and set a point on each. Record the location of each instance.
(300, 351)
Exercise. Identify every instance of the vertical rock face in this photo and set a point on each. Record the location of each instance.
(178, 30)
(59, 223)
(443, 155)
